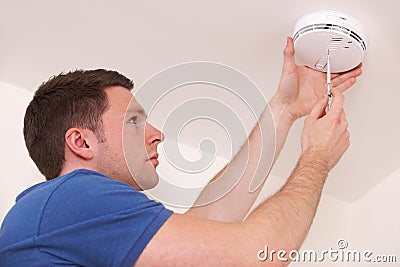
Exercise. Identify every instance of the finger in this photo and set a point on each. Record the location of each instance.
(357, 68)
(346, 139)
(343, 116)
(346, 84)
(337, 103)
(288, 56)
(341, 78)
(343, 120)
(347, 136)
(319, 108)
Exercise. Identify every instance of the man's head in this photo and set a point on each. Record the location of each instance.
(76, 120)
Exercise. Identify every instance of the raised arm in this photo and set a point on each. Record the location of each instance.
(281, 222)
(298, 90)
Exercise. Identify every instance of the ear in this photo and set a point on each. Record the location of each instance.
(77, 140)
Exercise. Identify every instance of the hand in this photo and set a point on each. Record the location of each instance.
(300, 86)
(326, 136)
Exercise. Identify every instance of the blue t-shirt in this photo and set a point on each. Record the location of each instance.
(80, 219)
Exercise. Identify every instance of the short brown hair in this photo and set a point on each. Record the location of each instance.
(73, 99)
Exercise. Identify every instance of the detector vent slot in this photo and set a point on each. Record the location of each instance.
(333, 27)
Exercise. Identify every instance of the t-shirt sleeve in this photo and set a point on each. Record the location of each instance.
(95, 221)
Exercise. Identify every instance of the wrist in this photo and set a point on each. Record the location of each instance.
(280, 111)
(315, 160)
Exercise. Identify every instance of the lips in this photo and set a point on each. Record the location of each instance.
(154, 159)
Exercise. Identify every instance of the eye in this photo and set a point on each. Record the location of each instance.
(133, 120)
(138, 121)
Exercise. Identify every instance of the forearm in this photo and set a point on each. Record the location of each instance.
(253, 161)
(283, 221)
(283, 121)
(280, 223)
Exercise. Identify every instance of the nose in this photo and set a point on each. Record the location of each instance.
(153, 135)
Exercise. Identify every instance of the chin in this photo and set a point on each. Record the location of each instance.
(148, 181)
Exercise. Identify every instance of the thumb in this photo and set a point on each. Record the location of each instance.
(288, 56)
(319, 108)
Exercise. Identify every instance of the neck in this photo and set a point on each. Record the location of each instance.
(68, 169)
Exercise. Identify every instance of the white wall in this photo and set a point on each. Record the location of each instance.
(375, 220)
(17, 169)
(186, 180)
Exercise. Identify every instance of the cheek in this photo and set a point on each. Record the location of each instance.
(114, 137)
(133, 141)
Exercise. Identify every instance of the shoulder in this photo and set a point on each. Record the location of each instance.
(113, 220)
(85, 195)
(90, 185)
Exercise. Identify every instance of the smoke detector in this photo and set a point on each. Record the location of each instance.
(344, 36)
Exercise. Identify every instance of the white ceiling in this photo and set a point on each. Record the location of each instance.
(140, 38)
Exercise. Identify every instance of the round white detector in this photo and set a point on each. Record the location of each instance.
(343, 35)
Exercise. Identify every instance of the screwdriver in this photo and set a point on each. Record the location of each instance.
(328, 83)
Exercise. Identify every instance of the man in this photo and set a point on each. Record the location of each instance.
(90, 211)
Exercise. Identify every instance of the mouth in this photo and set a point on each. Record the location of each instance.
(154, 159)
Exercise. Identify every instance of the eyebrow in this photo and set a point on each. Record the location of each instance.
(139, 111)
(136, 111)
